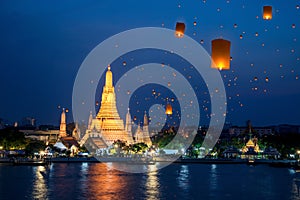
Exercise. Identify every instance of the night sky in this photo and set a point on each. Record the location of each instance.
(43, 44)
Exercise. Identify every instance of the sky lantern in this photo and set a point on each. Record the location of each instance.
(267, 14)
(169, 110)
(220, 54)
(180, 28)
(267, 79)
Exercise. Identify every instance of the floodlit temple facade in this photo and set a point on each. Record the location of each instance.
(107, 127)
(250, 146)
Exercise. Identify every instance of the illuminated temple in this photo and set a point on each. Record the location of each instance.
(107, 126)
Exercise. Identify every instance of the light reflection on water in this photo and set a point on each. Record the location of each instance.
(296, 186)
(183, 178)
(40, 187)
(100, 181)
(105, 185)
(152, 184)
(213, 178)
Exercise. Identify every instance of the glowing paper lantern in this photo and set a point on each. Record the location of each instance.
(267, 13)
(220, 54)
(169, 109)
(267, 79)
(180, 28)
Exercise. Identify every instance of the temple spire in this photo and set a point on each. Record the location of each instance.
(146, 136)
(63, 126)
(128, 125)
(108, 126)
(146, 123)
(108, 78)
(108, 107)
(76, 132)
(138, 134)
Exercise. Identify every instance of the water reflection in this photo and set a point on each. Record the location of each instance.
(84, 168)
(296, 186)
(213, 179)
(104, 183)
(152, 183)
(183, 178)
(84, 171)
(40, 188)
(83, 181)
(135, 166)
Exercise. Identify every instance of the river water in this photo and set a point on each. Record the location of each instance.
(177, 181)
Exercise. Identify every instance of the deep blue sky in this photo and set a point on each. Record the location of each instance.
(43, 44)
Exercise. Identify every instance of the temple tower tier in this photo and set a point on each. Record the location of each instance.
(108, 125)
